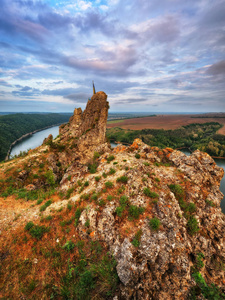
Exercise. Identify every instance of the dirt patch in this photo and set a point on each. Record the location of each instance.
(165, 122)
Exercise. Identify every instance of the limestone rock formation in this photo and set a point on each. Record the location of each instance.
(155, 212)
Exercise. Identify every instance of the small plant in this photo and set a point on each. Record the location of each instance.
(119, 211)
(68, 246)
(37, 231)
(93, 168)
(209, 202)
(104, 175)
(199, 263)
(154, 223)
(77, 216)
(146, 164)
(109, 184)
(137, 155)
(177, 190)
(69, 177)
(192, 225)
(43, 207)
(109, 198)
(110, 158)
(87, 223)
(115, 162)
(101, 202)
(112, 171)
(69, 192)
(157, 179)
(69, 206)
(123, 201)
(94, 197)
(191, 208)
(96, 155)
(97, 178)
(86, 183)
(39, 201)
(136, 239)
(135, 211)
(150, 194)
(29, 225)
(48, 218)
(122, 179)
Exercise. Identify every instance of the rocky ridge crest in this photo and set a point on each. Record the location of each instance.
(156, 211)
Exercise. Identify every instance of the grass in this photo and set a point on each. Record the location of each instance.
(136, 239)
(68, 246)
(36, 231)
(43, 207)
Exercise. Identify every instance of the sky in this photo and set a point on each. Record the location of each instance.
(146, 55)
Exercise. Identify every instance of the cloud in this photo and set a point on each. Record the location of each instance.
(79, 97)
(217, 68)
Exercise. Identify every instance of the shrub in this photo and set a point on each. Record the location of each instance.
(77, 216)
(135, 212)
(29, 225)
(93, 168)
(37, 231)
(109, 198)
(109, 184)
(110, 158)
(150, 194)
(137, 237)
(192, 225)
(119, 211)
(146, 164)
(96, 155)
(191, 207)
(122, 179)
(69, 206)
(86, 183)
(177, 190)
(50, 178)
(123, 200)
(154, 223)
(68, 246)
(112, 171)
(69, 192)
(210, 203)
(97, 178)
(104, 175)
(43, 207)
(137, 155)
(94, 197)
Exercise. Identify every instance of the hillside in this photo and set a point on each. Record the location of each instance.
(12, 127)
(83, 221)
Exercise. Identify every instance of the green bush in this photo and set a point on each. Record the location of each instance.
(154, 223)
(86, 183)
(93, 168)
(112, 171)
(123, 200)
(29, 225)
(177, 190)
(37, 231)
(135, 211)
(109, 198)
(110, 158)
(150, 194)
(192, 225)
(119, 211)
(122, 179)
(109, 184)
(137, 155)
(97, 178)
(43, 207)
(77, 216)
(136, 239)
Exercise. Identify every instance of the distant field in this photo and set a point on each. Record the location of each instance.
(165, 122)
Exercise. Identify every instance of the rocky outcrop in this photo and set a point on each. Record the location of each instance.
(87, 129)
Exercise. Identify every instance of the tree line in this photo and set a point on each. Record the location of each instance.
(12, 127)
(194, 136)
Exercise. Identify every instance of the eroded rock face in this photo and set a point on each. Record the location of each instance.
(87, 129)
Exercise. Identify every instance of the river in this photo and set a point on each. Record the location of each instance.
(37, 139)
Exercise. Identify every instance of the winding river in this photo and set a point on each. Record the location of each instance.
(37, 139)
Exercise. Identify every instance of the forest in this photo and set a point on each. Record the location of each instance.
(14, 126)
(194, 136)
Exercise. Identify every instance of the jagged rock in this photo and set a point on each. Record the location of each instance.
(48, 139)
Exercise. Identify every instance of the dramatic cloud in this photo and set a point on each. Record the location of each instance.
(158, 55)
